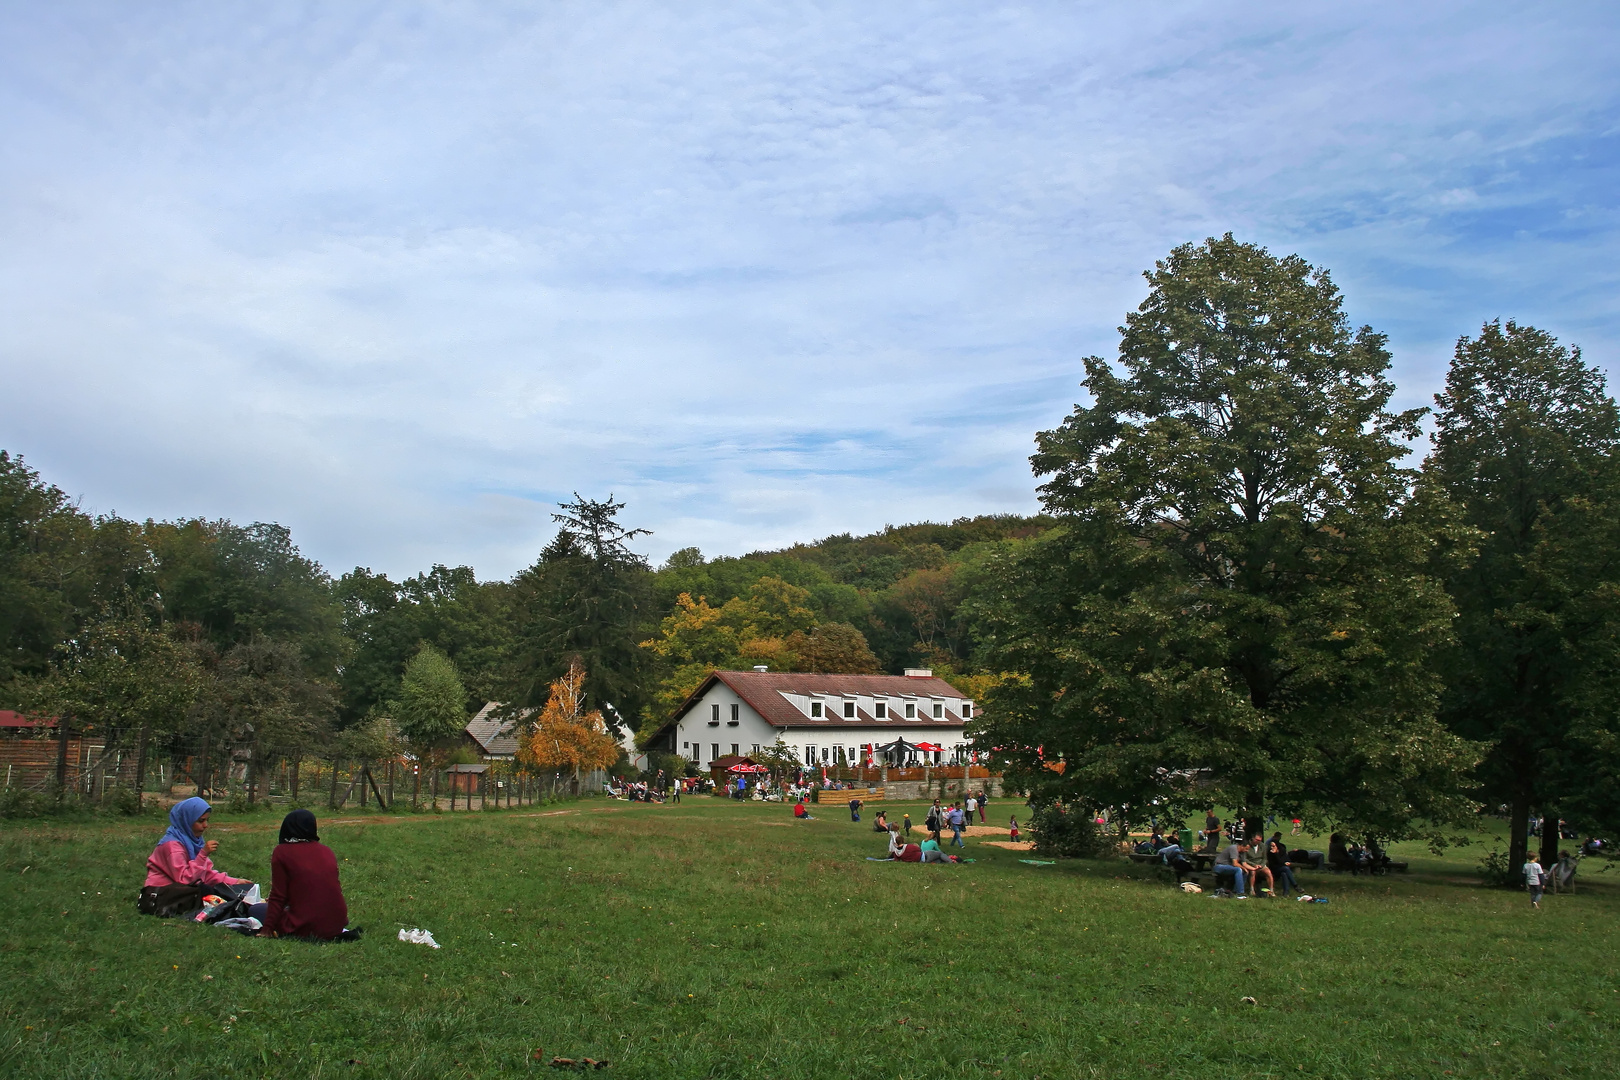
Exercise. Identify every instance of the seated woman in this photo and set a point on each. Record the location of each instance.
(930, 851)
(899, 849)
(180, 862)
(880, 823)
(306, 900)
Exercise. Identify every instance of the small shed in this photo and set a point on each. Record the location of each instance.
(467, 778)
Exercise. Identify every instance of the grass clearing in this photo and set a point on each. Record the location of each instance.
(695, 941)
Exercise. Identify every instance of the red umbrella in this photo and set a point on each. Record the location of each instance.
(930, 747)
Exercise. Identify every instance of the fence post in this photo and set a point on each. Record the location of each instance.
(61, 755)
(416, 785)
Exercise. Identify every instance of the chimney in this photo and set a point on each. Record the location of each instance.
(914, 672)
(761, 667)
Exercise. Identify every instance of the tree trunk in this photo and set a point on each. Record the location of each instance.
(61, 756)
(416, 786)
(1519, 831)
(435, 793)
(297, 761)
(331, 800)
(365, 774)
(140, 772)
(1550, 838)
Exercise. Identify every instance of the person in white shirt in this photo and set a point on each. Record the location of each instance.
(1535, 879)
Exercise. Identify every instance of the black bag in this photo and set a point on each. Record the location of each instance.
(174, 901)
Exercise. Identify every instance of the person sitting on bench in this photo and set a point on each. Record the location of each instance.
(1229, 863)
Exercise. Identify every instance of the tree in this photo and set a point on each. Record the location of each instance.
(832, 647)
(119, 676)
(44, 571)
(588, 597)
(261, 687)
(1238, 580)
(566, 737)
(1525, 445)
(431, 709)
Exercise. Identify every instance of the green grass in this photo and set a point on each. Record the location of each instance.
(720, 939)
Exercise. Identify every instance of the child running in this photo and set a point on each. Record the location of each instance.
(1013, 828)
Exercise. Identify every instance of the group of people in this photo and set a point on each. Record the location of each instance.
(306, 900)
(1249, 863)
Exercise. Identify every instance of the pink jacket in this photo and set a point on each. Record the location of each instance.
(167, 865)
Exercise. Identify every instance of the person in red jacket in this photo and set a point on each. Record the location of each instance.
(305, 898)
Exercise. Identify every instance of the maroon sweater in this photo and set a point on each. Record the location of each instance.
(305, 898)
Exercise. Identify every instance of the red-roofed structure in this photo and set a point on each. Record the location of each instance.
(824, 719)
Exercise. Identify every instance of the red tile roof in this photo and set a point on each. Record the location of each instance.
(763, 691)
(9, 719)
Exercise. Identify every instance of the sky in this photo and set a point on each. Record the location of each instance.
(403, 276)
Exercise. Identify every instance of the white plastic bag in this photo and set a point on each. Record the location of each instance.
(252, 895)
(414, 936)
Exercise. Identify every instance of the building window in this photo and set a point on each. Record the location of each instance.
(939, 710)
(809, 755)
(911, 710)
(734, 750)
(849, 710)
(756, 748)
(967, 710)
(881, 710)
(815, 708)
(714, 714)
(714, 749)
(825, 754)
(734, 710)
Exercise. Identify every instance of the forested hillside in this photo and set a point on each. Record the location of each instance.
(223, 597)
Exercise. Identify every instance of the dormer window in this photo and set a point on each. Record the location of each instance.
(849, 710)
(911, 710)
(939, 710)
(880, 709)
(967, 710)
(815, 709)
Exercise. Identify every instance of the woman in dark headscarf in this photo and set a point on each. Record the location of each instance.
(305, 897)
(181, 858)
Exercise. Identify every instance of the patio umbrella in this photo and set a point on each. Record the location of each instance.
(930, 747)
(899, 746)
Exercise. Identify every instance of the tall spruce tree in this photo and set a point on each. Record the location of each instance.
(1525, 445)
(587, 601)
(1238, 583)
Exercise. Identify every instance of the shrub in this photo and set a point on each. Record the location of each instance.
(1067, 832)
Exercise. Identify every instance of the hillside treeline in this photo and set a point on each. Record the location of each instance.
(189, 613)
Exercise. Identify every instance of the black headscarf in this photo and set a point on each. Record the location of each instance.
(298, 827)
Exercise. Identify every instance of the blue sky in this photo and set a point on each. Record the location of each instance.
(402, 276)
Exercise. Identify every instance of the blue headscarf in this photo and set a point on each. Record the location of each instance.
(182, 816)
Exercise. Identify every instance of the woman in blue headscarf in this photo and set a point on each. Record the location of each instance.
(182, 855)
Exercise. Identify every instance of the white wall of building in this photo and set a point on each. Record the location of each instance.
(722, 723)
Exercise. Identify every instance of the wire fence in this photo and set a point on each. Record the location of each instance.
(109, 770)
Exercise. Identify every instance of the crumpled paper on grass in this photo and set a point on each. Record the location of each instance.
(414, 936)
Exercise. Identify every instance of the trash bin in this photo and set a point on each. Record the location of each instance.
(1184, 837)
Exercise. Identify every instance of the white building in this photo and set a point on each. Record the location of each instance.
(822, 718)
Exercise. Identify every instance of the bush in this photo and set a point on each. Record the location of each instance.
(1067, 833)
(1496, 871)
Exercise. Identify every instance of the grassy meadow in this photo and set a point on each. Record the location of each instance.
(716, 939)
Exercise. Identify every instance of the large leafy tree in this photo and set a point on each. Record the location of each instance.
(447, 607)
(1525, 445)
(46, 576)
(1238, 581)
(587, 600)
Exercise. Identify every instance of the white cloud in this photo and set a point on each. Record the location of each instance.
(402, 277)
